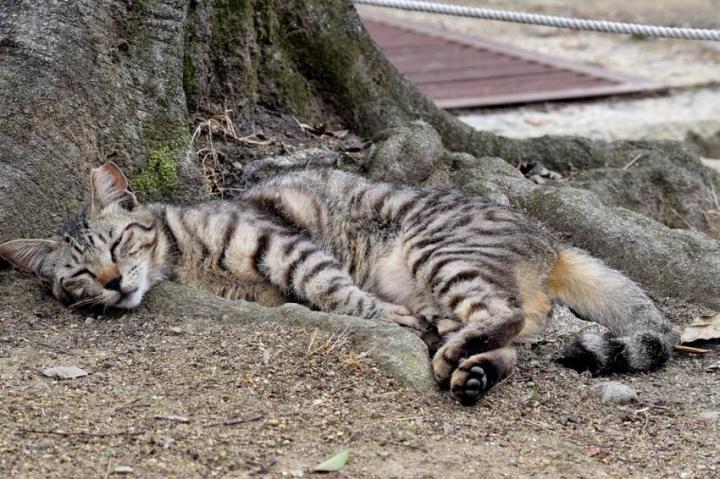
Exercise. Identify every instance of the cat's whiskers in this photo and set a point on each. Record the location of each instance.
(92, 301)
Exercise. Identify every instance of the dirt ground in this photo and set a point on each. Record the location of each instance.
(188, 397)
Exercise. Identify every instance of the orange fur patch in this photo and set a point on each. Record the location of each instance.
(108, 274)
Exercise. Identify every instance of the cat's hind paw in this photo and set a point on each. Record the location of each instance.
(469, 386)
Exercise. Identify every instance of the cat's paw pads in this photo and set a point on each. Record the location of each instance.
(470, 385)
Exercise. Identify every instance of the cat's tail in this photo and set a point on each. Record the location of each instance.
(640, 336)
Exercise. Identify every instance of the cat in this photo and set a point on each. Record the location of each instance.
(477, 273)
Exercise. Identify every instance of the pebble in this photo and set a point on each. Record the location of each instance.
(709, 416)
(615, 392)
(64, 372)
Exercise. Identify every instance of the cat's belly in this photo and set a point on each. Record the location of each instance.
(393, 281)
(230, 286)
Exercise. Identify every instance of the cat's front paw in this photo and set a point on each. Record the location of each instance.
(403, 316)
(446, 360)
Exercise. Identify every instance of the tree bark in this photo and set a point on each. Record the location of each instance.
(84, 82)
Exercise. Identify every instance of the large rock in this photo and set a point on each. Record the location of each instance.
(674, 263)
(397, 350)
(669, 262)
(410, 153)
(667, 184)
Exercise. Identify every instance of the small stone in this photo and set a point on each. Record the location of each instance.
(89, 320)
(709, 416)
(615, 392)
(64, 372)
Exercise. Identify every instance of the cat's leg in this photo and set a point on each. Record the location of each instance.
(482, 298)
(490, 324)
(297, 264)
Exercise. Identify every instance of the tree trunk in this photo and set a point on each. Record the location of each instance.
(84, 82)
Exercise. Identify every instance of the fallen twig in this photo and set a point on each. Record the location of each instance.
(82, 433)
(312, 157)
(690, 349)
(131, 405)
(235, 421)
(632, 162)
(683, 219)
(265, 468)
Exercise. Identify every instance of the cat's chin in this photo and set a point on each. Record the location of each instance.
(132, 300)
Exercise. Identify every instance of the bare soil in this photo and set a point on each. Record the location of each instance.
(189, 397)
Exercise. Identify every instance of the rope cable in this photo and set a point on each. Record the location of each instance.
(549, 20)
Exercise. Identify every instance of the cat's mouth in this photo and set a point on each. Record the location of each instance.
(129, 299)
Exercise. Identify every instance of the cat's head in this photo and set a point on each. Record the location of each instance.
(108, 254)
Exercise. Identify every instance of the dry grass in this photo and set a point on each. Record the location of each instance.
(219, 125)
(337, 345)
(712, 216)
(330, 345)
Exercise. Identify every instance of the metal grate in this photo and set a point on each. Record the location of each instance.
(462, 72)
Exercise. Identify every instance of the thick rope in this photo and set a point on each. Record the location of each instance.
(549, 20)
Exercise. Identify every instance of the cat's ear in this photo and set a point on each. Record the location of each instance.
(28, 254)
(109, 186)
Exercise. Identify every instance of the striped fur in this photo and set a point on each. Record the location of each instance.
(476, 272)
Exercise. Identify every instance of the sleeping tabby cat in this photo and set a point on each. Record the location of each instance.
(474, 271)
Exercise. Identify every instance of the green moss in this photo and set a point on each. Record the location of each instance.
(159, 178)
(189, 81)
(232, 49)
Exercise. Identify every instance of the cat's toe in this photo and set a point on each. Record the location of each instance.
(444, 362)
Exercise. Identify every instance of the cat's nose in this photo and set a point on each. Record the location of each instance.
(114, 284)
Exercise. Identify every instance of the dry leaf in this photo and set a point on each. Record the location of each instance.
(704, 328)
(335, 463)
